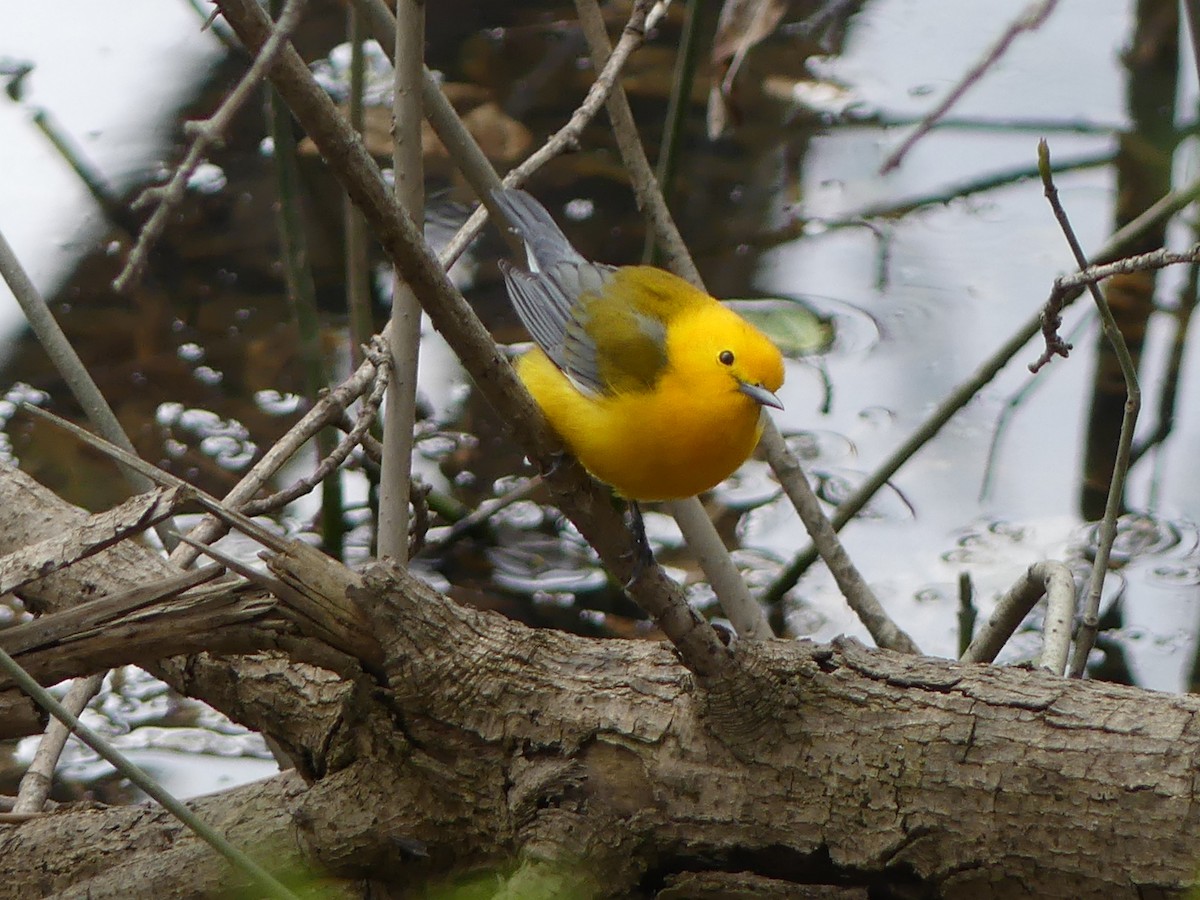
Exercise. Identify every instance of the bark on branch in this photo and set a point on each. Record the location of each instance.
(599, 766)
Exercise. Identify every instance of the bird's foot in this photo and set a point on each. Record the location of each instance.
(643, 556)
(557, 461)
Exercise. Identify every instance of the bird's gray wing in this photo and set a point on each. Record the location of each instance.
(552, 306)
(603, 347)
(545, 243)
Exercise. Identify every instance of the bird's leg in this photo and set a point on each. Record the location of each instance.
(643, 556)
(557, 460)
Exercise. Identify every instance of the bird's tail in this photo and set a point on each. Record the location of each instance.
(545, 244)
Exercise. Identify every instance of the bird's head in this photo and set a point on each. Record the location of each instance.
(718, 347)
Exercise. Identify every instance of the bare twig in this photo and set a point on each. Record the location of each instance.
(1030, 20)
(328, 410)
(367, 416)
(727, 583)
(883, 630)
(418, 528)
(967, 614)
(1133, 400)
(1143, 262)
(39, 777)
(403, 329)
(206, 134)
(1050, 579)
(225, 620)
(1066, 285)
(1166, 206)
(71, 368)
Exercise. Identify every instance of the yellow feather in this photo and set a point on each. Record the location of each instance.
(663, 386)
(687, 434)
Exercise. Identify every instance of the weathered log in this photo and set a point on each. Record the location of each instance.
(601, 767)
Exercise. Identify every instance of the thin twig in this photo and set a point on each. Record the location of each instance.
(1133, 401)
(1030, 20)
(967, 613)
(39, 777)
(238, 858)
(1050, 579)
(403, 329)
(1066, 285)
(50, 335)
(372, 450)
(859, 597)
(205, 134)
(367, 416)
(328, 410)
(705, 544)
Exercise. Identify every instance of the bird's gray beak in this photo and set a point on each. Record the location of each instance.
(759, 394)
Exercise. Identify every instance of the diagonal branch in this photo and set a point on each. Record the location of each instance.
(584, 501)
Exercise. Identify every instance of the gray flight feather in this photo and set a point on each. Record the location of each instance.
(547, 298)
(544, 241)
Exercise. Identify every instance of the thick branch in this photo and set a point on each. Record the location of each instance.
(540, 747)
(249, 691)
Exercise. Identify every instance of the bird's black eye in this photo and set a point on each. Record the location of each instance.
(726, 358)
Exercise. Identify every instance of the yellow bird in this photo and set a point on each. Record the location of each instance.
(655, 387)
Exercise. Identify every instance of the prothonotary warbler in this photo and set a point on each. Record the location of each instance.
(655, 387)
